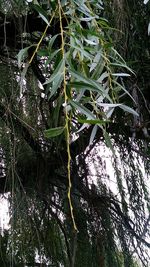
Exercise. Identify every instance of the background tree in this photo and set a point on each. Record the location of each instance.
(66, 93)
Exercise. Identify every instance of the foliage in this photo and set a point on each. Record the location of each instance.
(67, 94)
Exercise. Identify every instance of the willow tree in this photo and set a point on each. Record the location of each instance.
(67, 94)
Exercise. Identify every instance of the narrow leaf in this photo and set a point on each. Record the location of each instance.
(128, 109)
(93, 133)
(146, 1)
(108, 141)
(56, 83)
(22, 54)
(125, 90)
(52, 40)
(58, 71)
(121, 75)
(82, 109)
(41, 12)
(102, 122)
(88, 81)
(53, 132)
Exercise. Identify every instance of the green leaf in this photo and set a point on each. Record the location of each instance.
(51, 56)
(102, 122)
(92, 83)
(56, 83)
(107, 105)
(82, 109)
(82, 51)
(52, 40)
(84, 86)
(128, 109)
(103, 76)
(91, 42)
(93, 133)
(53, 132)
(41, 12)
(108, 141)
(83, 8)
(109, 112)
(57, 72)
(122, 106)
(121, 65)
(22, 54)
(97, 67)
(121, 74)
(42, 52)
(124, 89)
(87, 19)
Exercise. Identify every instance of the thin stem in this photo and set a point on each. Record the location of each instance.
(67, 120)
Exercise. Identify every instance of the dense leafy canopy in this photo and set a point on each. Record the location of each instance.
(74, 89)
